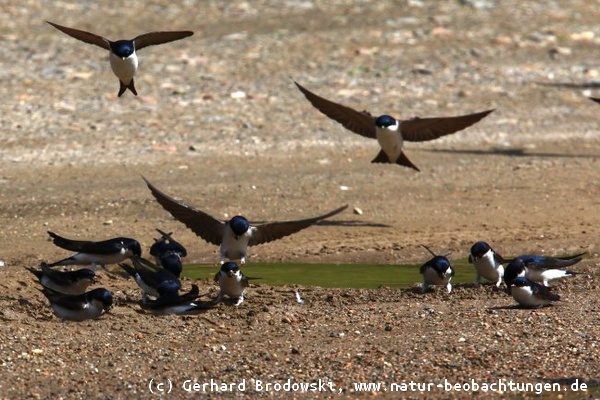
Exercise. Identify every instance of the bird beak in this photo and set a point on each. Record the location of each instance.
(230, 274)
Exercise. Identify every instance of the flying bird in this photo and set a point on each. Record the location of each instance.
(122, 53)
(233, 236)
(391, 133)
(102, 253)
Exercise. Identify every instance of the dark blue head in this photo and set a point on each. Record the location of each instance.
(515, 268)
(84, 273)
(230, 268)
(168, 288)
(122, 48)
(385, 121)
(102, 295)
(172, 263)
(134, 246)
(162, 247)
(479, 249)
(441, 264)
(239, 225)
(520, 281)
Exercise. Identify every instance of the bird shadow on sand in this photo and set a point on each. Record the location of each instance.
(512, 152)
(570, 85)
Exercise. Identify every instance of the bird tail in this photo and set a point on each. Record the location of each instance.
(401, 160)
(123, 87)
(129, 269)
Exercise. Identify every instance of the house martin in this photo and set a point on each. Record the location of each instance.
(122, 53)
(233, 236)
(153, 280)
(232, 283)
(487, 263)
(168, 253)
(391, 133)
(436, 271)
(531, 294)
(65, 282)
(181, 304)
(540, 269)
(85, 306)
(103, 253)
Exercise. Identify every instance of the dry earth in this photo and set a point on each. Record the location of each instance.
(219, 123)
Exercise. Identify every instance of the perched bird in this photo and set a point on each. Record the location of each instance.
(531, 294)
(436, 271)
(89, 305)
(65, 282)
(181, 305)
(232, 283)
(487, 263)
(540, 269)
(153, 280)
(122, 53)
(390, 132)
(168, 253)
(233, 236)
(102, 253)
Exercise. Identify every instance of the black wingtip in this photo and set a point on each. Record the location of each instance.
(595, 99)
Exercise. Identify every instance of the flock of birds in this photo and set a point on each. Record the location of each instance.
(526, 277)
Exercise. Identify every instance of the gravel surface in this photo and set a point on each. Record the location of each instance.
(219, 123)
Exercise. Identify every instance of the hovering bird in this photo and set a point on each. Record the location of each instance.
(65, 282)
(487, 263)
(531, 294)
(122, 53)
(540, 269)
(101, 253)
(233, 236)
(168, 253)
(89, 305)
(390, 132)
(232, 283)
(436, 271)
(181, 304)
(153, 280)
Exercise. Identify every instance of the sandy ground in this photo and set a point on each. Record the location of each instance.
(219, 123)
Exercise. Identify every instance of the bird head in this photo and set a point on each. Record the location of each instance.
(385, 121)
(478, 250)
(230, 268)
(239, 225)
(102, 295)
(122, 48)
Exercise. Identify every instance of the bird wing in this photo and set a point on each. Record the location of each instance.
(154, 275)
(276, 230)
(84, 36)
(75, 303)
(68, 244)
(543, 292)
(542, 263)
(362, 123)
(424, 129)
(154, 38)
(202, 224)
